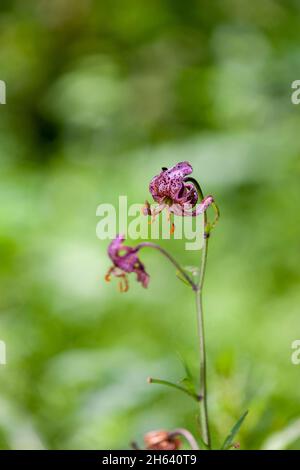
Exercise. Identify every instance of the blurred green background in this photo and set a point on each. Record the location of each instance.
(100, 95)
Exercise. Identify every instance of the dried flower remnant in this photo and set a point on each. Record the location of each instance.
(161, 440)
(125, 261)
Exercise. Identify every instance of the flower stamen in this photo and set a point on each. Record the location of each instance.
(107, 276)
(123, 283)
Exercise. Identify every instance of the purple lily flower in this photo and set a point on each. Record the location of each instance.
(125, 260)
(172, 192)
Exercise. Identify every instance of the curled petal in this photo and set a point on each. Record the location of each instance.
(171, 189)
(142, 276)
(169, 183)
(146, 209)
(125, 260)
(186, 210)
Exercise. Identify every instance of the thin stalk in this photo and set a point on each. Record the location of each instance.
(171, 259)
(200, 320)
(202, 352)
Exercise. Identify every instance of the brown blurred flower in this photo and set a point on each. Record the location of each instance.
(161, 440)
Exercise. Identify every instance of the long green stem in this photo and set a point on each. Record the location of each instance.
(203, 388)
(200, 320)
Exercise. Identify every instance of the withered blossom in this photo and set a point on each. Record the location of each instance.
(125, 261)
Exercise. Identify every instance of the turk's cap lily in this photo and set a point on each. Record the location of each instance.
(125, 261)
(172, 192)
(169, 184)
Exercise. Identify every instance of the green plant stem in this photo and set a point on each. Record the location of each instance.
(204, 423)
(202, 353)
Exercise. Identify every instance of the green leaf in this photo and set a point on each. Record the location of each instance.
(185, 366)
(188, 380)
(229, 439)
(188, 384)
(181, 278)
(174, 385)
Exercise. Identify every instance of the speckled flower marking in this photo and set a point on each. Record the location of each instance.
(172, 192)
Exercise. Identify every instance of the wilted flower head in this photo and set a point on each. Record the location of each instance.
(161, 440)
(171, 191)
(125, 260)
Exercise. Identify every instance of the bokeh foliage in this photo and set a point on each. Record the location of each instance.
(100, 96)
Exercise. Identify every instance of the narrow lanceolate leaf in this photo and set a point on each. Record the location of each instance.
(186, 368)
(173, 385)
(188, 385)
(188, 380)
(230, 438)
(180, 276)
